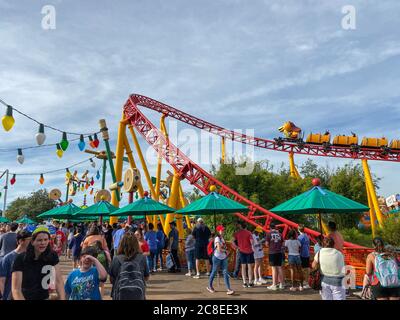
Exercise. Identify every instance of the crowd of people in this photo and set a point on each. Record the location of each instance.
(127, 255)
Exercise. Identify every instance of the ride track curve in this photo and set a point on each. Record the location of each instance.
(200, 178)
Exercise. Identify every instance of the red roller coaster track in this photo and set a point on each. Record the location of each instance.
(306, 149)
(187, 169)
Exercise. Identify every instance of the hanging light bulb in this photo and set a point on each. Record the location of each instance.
(82, 188)
(40, 136)
(91, 191)
(64, 141)
(92, 163)
(20, 156)
(98, 175)
(81, 144)
(41, 180)
(91, 142)
(8, 120)
(13, 179)
(96, 141)
(87, 186)
(59, 151)
(92, 181)
(67, 174)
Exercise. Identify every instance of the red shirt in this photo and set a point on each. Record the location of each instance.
(144, 246)
(62, 235)
(243, 238)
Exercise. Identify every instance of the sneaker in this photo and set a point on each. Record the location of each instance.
(301, 288)
(154, 270)
(281, 286)
(230, 292)
(188, 274)
(306, 287)
(197, 276)
(258, 283)
(207, 274)
(262, 281)
(245, 285)
(293, 289)
(250, 285)
(272, 287)
(159, 269)
(211, 290)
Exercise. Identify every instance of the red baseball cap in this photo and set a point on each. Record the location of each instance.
(220, 228)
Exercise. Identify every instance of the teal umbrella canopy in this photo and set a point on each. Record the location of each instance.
(212, 204)
(61, 212)
(25, 220)
(4, 220)
(101, 208)
(143, 207)
(319, 200)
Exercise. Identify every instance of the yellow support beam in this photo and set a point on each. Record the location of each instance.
(293, 170)
(119, 154)
(172, 202)
(132, 163)
(371, 190)
(142, 161)
(223, 150)
(371, 214)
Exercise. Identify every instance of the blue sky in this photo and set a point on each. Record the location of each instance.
(239, 64)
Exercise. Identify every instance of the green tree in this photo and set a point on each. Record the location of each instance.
(37, 203)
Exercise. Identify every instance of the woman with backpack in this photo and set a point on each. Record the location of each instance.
(129, 270)
(220, 260)
(331, 264)
(84, 283)
(383, 270)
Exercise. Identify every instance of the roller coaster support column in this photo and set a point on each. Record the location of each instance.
(371, 214)
(293, 170)
(132, 163)
(143, 163)
(183, 204)
(172, 202)
(159, 163)
(117, 173)
(371, 190)
(223, 152)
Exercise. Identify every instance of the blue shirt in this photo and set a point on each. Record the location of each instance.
(175, 234)
(75, 245)
(83, 285)
(151, 238)
(117, 237)
(6, 272)
(305, 245)
(161, 239)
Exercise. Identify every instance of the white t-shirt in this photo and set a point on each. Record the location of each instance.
(331, 262)
(257, 247)
(293, 247)
(218, 254)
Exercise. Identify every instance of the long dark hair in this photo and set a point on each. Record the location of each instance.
(129, 246)
(93, 231)
(30, 251)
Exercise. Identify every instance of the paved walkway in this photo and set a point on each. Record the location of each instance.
(173, 286)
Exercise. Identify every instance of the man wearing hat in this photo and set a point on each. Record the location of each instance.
(202, 234)
(23, 239)
(173, 237)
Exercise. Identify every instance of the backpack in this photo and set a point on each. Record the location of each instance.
(386, 271)
(129, 284)
(101, 256)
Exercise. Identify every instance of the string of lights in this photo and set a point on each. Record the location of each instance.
(8, 122)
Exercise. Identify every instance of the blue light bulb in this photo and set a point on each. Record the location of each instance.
(98, 175)
(81, 144)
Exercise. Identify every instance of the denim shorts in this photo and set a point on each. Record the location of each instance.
(294, 260)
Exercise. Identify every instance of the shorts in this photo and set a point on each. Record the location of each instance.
(294, 260)
(200, 253)
(275, 259)
(305, 262)
(246, 258)
(380, 292)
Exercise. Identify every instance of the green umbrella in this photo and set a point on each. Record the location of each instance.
(143, 207)
(4, 220)
(319, 200)
(99, 209)
(25, 220)
(213, 204)
(394, 211)
(61, 212)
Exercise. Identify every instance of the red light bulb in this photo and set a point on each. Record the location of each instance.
(13, 180)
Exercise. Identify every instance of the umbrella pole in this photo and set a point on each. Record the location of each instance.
(320, 223)
(130, 201)
(215, 222)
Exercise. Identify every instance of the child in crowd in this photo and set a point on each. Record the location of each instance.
(293, 246)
